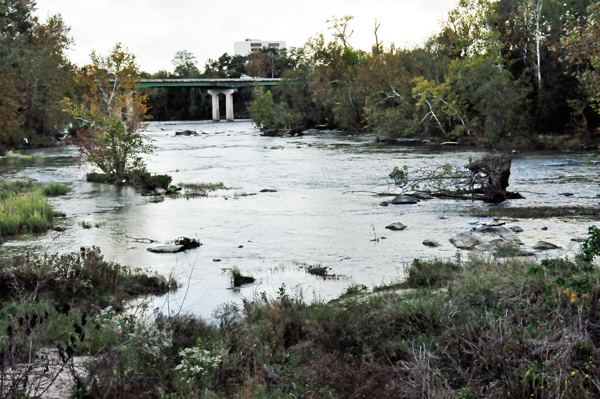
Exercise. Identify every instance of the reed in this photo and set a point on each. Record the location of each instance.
(24, 206)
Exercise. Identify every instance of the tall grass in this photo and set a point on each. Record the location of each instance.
(24, 206)
(55, 189)
(25, 212)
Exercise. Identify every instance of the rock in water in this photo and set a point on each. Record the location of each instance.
(544, 246)
(268, 190)
(492, 172)
(465, 241)
(516, 229)
(403, 200)
(167, 249)
(431, 243)
(396, 227)
(486, 237)
(422, 195)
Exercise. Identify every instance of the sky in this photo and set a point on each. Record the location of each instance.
(154, 30)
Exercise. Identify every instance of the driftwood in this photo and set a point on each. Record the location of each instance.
(491, 173)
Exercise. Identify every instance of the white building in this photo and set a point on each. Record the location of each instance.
(250, 45)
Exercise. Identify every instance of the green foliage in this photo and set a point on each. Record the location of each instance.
(270, 116)
(429, 177)
(35, 75)
(479, 337)
(238, 279)
(111, 136)
(430, 274)
(355, 290)
(55, 189)
(25, 208)
(83, 277)
(495, 73)
(135, 178)
(591, 246)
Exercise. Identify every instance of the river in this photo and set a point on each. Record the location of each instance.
(321, 213)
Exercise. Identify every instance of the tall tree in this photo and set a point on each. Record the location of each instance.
(185, 65)
(111, 134)
(35, 74)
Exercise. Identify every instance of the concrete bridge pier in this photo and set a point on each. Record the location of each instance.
(228, 103)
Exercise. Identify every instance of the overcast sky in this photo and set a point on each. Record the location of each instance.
(155, 30)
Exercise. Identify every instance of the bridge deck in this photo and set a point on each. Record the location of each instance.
(208, 83)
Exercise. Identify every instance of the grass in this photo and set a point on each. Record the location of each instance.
(203, 186)
(475, 328)
(25, 208)
(17, 155)
(55, 189)
(536, 212)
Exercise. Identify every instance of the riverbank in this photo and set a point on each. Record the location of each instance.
(468, 328)
(54, 313)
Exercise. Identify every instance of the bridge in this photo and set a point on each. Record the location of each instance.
(214, 86)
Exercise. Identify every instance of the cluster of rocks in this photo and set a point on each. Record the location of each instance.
(187, 133)
(498, 239)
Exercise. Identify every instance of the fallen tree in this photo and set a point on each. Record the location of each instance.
(484, 179)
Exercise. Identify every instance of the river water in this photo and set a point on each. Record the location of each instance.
(322, 212)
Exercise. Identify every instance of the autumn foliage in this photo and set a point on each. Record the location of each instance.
(109, 115)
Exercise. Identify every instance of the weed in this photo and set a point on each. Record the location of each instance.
(86, 225)
(355, 290)
(318, 270)
(238, 279)
(203, 186)
(16, 155)
(55, 189)
(24, 207)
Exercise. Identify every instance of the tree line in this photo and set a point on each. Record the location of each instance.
(506, 72)
(36, 78)
(518, 72)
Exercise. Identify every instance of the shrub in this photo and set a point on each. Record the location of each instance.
(433, 273)
(55, 189)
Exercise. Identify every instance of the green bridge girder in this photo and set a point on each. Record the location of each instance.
(207, 83)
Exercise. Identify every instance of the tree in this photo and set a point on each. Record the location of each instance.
(185, 65)
(111, 115)
(582, 51)
(35, 75)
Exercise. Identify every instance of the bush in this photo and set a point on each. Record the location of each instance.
(137, 178)
(84, 277)
(433, 273)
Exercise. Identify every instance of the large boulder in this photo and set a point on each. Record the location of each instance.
(486, 238)
(544, 246)
(396, 226)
